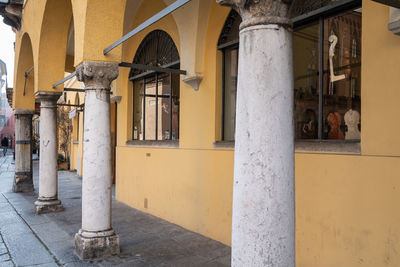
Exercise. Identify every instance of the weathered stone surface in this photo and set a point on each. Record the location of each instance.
(258, 12)
(23, 151)
(23, 183)
(96, 238)
(48, 179)
(263, 229)
(96, 247)
(48, 206)
(97, 75)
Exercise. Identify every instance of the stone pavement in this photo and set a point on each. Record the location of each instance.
(27, 239)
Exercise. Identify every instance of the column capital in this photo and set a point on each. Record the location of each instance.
(261, 12)
(48, 99)
(24, 112)
(97, 75)
(48, 95)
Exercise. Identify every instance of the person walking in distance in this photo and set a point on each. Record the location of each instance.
(4, 144)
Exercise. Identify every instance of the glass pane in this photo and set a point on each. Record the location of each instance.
(306, 94)
(175, 106)
(151, 85)
(342, 76)
(138, 110)
(150, 118)
(164, 87)
(231, 71)
(164, 107)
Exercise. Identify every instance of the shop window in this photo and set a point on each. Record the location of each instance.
(327, 74)
(156, 95)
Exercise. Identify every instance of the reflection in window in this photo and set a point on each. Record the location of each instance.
(229, 45)
(230, 76)
(335, 114)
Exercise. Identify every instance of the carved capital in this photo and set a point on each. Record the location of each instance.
(97, 75)
(261, 12)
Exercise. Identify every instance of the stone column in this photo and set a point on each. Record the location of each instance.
(263, 220)
(97, 237)
(23, 151)
(48, 178)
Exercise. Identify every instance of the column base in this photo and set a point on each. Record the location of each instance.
(48, 206)
(23, 183)
(93, 245)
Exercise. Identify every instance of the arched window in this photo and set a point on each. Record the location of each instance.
(228, 43)
(155, 94)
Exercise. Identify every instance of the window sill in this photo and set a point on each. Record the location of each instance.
(328, 146)
(325, 146)
(224, 144)
(148, 143)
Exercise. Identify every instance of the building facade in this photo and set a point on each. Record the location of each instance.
(267, 126)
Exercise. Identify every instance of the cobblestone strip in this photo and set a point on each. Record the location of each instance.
(5, 257)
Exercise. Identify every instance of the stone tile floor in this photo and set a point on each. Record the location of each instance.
(27, 239)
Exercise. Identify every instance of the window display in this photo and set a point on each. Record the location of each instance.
(322, 116)
(327, 75)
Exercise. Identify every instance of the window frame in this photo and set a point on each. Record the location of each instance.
(143, 77)
(299, 22)
(157, 48)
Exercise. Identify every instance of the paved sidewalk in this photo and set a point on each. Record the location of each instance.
(27, 239)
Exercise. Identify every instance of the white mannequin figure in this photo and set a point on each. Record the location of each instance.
(352, 119)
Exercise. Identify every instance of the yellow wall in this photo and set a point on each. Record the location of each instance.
(190, 186)
(346, 205)
(346, 210)
(380, 87)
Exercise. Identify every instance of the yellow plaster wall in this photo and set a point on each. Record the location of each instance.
(190, 186)
(53, 44)
(23, 62)
(380, 84)
(347, 210)
(101, 24)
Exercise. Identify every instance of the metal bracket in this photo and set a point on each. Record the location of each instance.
(23, 142)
